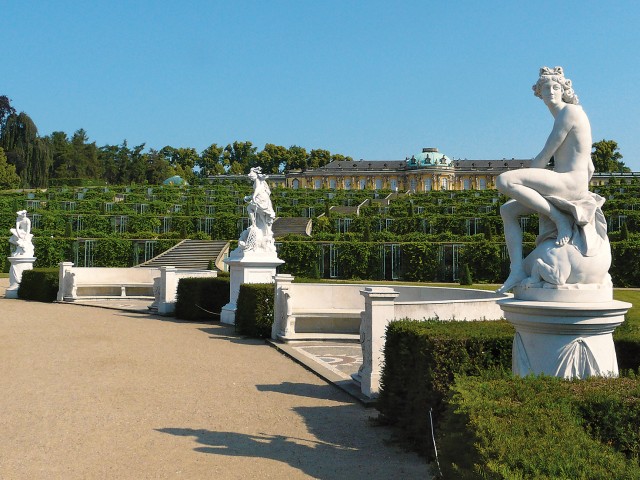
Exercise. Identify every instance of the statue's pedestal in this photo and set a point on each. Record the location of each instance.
(18, 265)
(249, 268)
(567, 340)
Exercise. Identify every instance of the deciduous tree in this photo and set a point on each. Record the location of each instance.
(607, 158)
(8, 176)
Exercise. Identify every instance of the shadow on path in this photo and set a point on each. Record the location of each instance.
(330, 451)
(322, 392)
(316, 459)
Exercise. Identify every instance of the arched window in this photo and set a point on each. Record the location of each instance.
(347, 184)
(363, 184)
(317, 184)
(428, 185)
(295, 184)
(332, 184)
(378, 184)
(394, 185)
(482, 184)
(466, 184)
(444, 184)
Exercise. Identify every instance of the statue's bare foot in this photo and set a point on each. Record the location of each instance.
(564, 226)
(516, 277)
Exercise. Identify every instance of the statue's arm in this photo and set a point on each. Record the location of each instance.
(563, 124)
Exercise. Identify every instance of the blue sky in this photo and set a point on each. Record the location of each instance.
(376, 80)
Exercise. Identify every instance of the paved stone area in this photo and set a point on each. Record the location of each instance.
(93, 393)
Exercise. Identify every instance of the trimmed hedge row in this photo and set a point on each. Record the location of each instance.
(254, 316)
(199, 296)
(421, 360)
(542, 428)
(39, 284)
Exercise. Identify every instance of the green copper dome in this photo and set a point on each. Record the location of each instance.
(428, 157)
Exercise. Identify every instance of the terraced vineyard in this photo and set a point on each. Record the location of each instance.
(355, 233)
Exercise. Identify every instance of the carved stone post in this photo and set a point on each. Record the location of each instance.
(168, 287)
(64, 280)
(379, 310)
(282, 308)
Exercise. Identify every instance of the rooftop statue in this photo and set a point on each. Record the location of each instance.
(259, 236)
(572, 247)
(21, 236)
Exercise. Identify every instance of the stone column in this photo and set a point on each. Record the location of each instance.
(379, 310)
(281, 304)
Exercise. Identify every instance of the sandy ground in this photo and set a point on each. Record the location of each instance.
(101, 394)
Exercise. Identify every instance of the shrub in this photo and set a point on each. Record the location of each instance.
(465, 276)
(199, 296)
(421, 360)
(40, 284)
(254, 315)
(541, 427)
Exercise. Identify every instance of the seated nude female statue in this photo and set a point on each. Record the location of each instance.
(529, 189)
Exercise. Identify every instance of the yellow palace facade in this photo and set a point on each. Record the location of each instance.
(428, 171)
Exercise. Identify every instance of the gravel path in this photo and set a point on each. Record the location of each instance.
(101, 394)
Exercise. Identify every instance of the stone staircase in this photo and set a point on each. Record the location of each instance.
(191, 254)
(285, 225)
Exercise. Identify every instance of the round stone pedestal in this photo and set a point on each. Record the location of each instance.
(18, 265)
(568, 340)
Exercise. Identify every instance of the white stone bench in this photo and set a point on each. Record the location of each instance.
(317, 311)
(101, 282)
(358, 312)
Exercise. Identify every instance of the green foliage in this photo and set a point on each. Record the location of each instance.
(465, 276)
(8, 176)
(484, 259)
(51, 251)
(254, 314)
(543, 428)
(625, 269)
(300, 259)
(114, 252)
(202, 298)
(421, 260)
(607, 158)
(627, 336)
(421, 360)
(39, 284)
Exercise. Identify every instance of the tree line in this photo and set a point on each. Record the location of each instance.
(30, 160)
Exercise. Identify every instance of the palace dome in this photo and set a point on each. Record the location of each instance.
(428, 157)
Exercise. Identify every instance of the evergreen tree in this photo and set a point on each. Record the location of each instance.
(465, 276)
(29, 153)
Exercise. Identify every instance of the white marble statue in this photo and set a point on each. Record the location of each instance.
(259, 236)
(572, 248)
(21, 236)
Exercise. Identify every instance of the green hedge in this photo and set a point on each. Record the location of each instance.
(421, 360)
(199, 296)
(40, 284)
(254, 315)
(542, 428)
